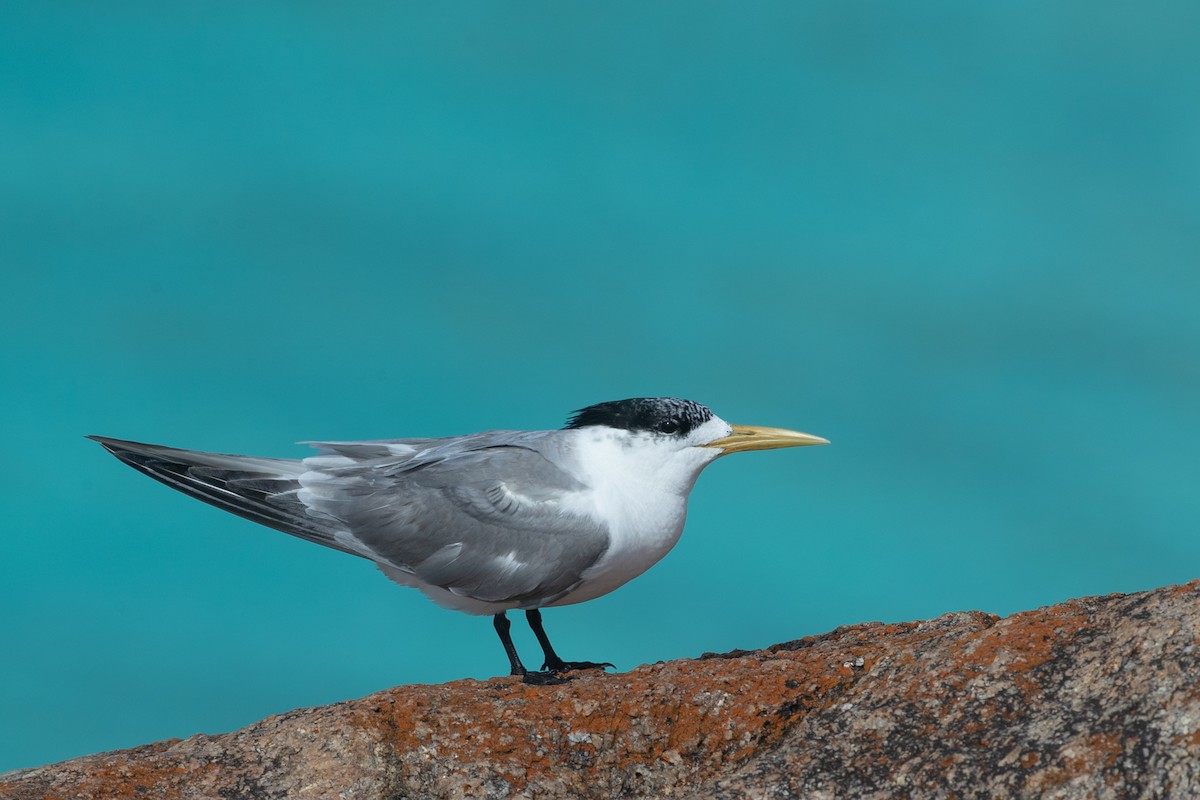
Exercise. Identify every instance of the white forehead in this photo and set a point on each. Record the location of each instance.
(715, 428)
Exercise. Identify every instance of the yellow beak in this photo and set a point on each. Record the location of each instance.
(753, 437)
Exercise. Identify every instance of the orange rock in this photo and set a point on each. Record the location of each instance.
(1090, 698)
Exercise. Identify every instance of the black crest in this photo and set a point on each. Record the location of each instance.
(666, 415)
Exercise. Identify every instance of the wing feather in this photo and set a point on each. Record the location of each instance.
(482, 519)
(262, 490)
(481, 516)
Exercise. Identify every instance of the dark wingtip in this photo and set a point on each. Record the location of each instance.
(108, 443)
(105, 442)
(125, 449)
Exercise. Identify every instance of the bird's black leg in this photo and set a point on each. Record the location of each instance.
(538, 678)
(553, 663)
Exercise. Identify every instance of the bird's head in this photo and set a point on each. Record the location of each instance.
(671, 423)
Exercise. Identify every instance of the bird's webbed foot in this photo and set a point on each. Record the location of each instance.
(558, 666)
(555, 665)
(548, 678)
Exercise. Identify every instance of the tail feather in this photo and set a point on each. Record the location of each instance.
(262, 490)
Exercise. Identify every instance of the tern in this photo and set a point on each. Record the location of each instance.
(489, 522)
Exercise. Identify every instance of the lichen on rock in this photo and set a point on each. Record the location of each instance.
(1092, 698)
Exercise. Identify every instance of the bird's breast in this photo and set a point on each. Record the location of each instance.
(642, 529)
(637, 489)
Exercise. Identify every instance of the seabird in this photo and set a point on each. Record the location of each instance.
(488, 522)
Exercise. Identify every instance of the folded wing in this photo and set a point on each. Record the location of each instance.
(482, 516)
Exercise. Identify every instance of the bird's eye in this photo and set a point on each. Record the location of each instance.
(668, 426)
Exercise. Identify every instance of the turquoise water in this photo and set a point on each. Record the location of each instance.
(959, 240)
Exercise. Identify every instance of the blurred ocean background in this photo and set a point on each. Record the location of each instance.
(961, 240)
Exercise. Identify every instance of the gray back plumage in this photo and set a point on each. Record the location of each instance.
(477, 515)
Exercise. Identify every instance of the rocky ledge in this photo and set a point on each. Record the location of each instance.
(1094, 698)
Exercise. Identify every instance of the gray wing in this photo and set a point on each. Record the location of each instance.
(262, 490)
(478, 515)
